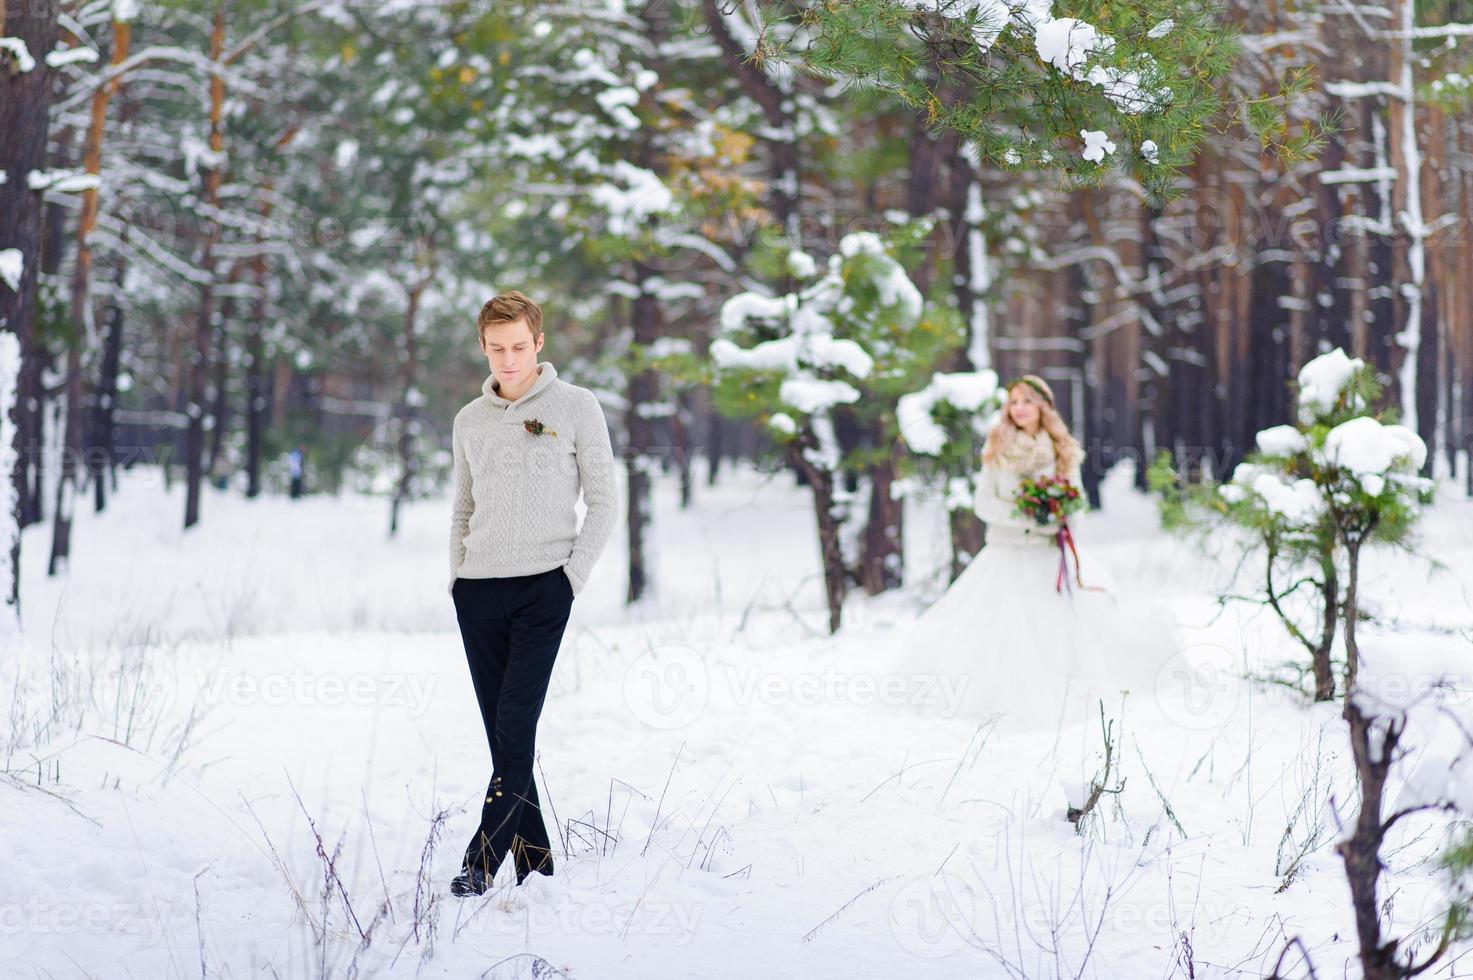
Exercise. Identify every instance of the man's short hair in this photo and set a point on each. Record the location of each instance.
(507, 307)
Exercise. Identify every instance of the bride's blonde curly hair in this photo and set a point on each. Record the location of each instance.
(1003, 435)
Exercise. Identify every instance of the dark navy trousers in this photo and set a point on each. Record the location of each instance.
(512, 628)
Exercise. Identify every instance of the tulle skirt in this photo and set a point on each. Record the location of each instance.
(1006, 642)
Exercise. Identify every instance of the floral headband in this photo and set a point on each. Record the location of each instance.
(1032, 384)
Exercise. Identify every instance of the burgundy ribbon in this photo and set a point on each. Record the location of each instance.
(1065, 540)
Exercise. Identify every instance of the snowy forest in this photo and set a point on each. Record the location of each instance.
(801, 252)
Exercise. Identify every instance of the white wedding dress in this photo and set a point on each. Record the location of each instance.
(1006, 641)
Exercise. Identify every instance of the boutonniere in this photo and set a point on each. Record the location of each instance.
(537, 428)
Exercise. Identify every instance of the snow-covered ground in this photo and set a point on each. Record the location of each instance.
(203, 723)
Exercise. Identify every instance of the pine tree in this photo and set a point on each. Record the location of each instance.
(855, 336)
(1310, 497)
(1031, 88)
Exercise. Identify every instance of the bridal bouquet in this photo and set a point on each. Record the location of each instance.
(1047, 500)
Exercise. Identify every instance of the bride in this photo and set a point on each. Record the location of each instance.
(1018, 634)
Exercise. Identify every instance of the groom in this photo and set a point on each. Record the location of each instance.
(523, 450)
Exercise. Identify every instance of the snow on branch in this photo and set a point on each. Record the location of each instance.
(1360, 90)
(970, 391)
(1357, 175)
(238, 82)
(1441, 30)
(62, 181)
(68, 56)
(18, 50)
(130, 240)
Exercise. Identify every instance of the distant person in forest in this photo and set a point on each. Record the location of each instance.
(523, 452)
(296, 463)
(1020, 629)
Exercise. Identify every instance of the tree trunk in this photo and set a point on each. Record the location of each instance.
(1324, 676)
(81, 303)
(1431, 424)
(1268, 391)
(71, 411)
(882, 558)
(680, 445)
(715, 444)
(71, 447)
(643, 389)
(1416, 309)
(219, 368)
(968, 536)
(929, 150)
(25, 102)
(102, 454)
(648, 326)
(1163, 347)
(409, 400)
(1353, 543)
(258, 404)
(1375, 746)
(1360, 851)
(831, 554)
(1330, 294)
(971, 280)
(199, 366)
(31, 406)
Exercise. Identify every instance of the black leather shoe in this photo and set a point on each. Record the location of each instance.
(471, 881)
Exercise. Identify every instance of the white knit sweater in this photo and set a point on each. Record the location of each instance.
(516, 493)
(997, 490)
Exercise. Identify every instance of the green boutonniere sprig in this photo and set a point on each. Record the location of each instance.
(537, 428)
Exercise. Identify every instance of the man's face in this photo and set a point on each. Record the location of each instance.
(511, 352)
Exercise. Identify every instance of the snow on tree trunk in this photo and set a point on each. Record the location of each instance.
(642, 392)
(10, 367)
(1408, 193)
(71, 447)
(830, 520)
(978, 265)
(25, 102)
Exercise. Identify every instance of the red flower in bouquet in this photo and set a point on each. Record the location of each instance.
(1047, 500)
